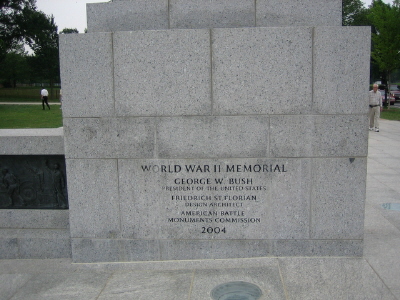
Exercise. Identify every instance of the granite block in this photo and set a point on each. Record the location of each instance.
(93, 193)
(186, 249)
(341, 82)
(35, 233)
(321, 136)
(34, 243)
(317, 248)
(213, 199)
(211, 13)
(213, 137)
(127, 15)
(8, 247)
(45, 248)
(86, 64)
(338, 198)
(109, 137)
(256, 70)
(213, 249)
(32, 218)
(341, 136)
(139, 250)
(162, 73)
(88, 250)
(117, 250)
(31, 141)
(287, 130)
(298, 13)
(289, 205)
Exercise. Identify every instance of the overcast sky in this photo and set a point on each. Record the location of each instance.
(67, 13)
(368, 2)
(72, 13)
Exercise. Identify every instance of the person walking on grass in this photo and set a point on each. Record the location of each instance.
(45, 96)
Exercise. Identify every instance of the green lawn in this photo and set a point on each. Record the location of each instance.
(30, 116)
(33, 116)
(392, 113)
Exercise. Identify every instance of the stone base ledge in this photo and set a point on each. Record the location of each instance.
(34, 244)
(125, 250)
(32, 141)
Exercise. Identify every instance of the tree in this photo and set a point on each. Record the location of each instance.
(385, 21)
(11, 16)
(14, 69)
(42, 37)
(354, 13)
(21, 23)
(69, 30)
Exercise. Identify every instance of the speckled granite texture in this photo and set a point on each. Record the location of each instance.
(215, 129)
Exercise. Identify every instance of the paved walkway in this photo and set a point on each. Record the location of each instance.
(374, 276)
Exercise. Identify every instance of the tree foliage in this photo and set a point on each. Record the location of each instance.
(43, 40)
(385, 19)
(12, 13)
(354, 13)
(69, 30)
(21, 22)
(15, 68)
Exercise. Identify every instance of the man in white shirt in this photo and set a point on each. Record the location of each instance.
(45, 96)
(375, 108)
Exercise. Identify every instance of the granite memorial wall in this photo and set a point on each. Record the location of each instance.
(34, 215)
(215, 129)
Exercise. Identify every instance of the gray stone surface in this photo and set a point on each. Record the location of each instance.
(211, 83)
(10, 284)
(27, 233)
(213, 137)
(94, 207)
(109, 137)
(321, 136)
(86, 65)
(122, 250)
(100, 250)
(373, 276)
(67, 285)
(211, 13)
(214, 249)
(334, 248)
(289, 205)
(127, 15)
(298, 13)
(31, 141)
(45, 248)
(122, 15)
(8, 247)
(302, 276)
(257, 70)
(133, 285)
(34, 243)
(338, 198)
(95, 250)
(335, 74)
(171, 73)
(151, 208)
(34, 219)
